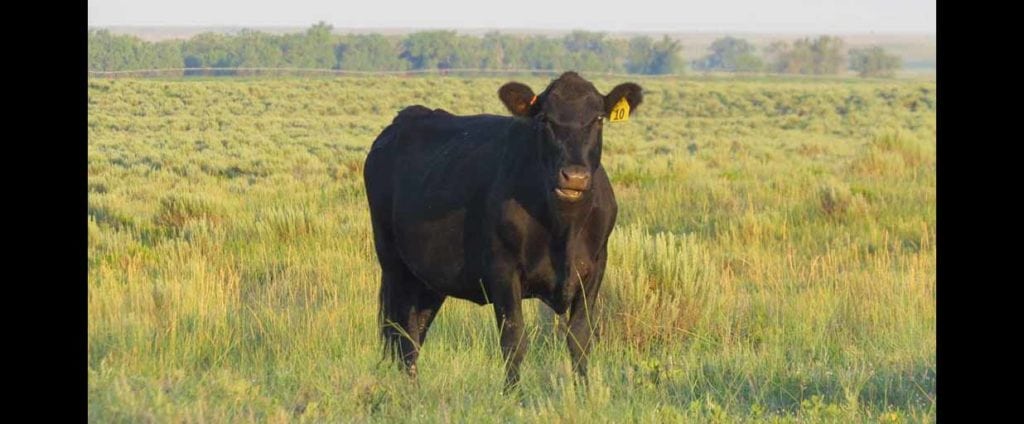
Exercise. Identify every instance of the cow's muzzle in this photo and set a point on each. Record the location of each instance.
(572, 182)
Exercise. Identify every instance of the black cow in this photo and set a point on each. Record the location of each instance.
(494, 209)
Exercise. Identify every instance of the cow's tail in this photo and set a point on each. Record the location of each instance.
(387, 320)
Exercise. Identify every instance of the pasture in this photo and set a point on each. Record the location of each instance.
(773, 260)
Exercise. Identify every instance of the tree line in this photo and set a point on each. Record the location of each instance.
(824, 55)
(318, 48)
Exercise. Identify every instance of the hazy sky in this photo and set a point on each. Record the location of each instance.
(821, 16)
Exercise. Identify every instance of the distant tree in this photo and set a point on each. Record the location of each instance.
(541, 52)
(874, 62)
(210, 50)
(590, 51)
(667, 57)
(430, 49)
(791, 59)
(102, 52)
(639, 55)
(731, 55)
(827, 53)
(109, 52)
(168, 54)
(469, 52)
(775, 55)
(255, 49)
(501, 51)
(823, 55)
(646, 56)
(371, 52)
(313, 49)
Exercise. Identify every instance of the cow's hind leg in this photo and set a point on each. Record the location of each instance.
(396, 305)
(428, 304)
(407, 308)
(421, 315)
(405, 325)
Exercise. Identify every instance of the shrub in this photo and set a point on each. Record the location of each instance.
(177, 209)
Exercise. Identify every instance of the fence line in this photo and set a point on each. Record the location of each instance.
(463, 71)
(144, 72)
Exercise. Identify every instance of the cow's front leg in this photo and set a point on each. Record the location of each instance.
(582, 325)
(508, 312)
(580, 336)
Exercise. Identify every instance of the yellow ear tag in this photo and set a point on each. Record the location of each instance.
(620, 112)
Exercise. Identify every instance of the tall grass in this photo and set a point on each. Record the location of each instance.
(773, 260)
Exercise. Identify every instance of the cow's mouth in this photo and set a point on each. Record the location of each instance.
(568, 194)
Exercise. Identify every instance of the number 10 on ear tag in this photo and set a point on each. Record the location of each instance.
(620, 112)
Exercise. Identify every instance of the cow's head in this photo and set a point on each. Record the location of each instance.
(568, 116)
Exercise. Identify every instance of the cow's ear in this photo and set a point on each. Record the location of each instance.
(629, 91)
(517, 97)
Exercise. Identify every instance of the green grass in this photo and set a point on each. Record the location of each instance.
(773, 260)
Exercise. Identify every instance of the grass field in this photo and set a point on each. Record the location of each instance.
(773, 260)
